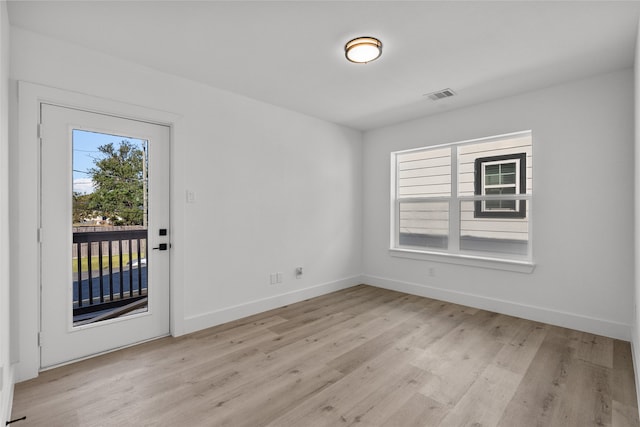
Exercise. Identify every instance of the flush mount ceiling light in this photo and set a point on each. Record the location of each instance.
(363, 49)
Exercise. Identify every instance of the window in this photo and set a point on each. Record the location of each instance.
(500, 175)
(471, 198)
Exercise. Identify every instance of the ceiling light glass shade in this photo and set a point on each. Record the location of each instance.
(363, 49)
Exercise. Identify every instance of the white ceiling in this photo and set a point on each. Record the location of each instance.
(290, 53)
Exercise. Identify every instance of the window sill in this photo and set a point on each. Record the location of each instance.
(466, 260)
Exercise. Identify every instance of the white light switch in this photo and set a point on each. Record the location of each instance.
(191, 196)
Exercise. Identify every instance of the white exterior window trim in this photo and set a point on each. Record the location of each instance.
(485, 186)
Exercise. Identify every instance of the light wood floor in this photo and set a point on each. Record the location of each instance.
(363, 356)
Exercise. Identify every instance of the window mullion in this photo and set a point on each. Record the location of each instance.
(454, 204)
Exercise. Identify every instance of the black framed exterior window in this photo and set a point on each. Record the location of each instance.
(500, 176)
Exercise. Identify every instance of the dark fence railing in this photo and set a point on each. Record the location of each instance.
(104, 279)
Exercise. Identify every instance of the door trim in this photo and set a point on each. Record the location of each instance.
(25, 204)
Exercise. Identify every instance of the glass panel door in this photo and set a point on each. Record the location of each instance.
(104, 209)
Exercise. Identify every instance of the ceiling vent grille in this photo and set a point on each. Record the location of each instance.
(441, 94)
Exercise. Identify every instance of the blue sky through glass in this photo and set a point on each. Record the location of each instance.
(85, 150)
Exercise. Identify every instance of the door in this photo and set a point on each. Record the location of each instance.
(104, 234)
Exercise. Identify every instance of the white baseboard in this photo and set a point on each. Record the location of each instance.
(227, 314)
(564, 319)
(575, 321)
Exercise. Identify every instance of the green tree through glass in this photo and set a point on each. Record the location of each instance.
(119, 184)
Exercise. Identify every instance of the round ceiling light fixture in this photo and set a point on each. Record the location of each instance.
(363, 49)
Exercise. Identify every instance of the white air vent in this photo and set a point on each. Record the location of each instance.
(444, 93)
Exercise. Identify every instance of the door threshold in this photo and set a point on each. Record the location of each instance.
(91, 356)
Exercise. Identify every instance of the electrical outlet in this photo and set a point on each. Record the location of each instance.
(279, 277)
(299, 273)
(432, 271)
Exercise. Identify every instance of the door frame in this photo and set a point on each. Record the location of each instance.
(26, 206)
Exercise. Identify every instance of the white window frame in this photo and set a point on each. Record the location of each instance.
(453, 254)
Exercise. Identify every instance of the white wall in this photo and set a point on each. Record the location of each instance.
(582, 206)
(274, 190)
(6, 371)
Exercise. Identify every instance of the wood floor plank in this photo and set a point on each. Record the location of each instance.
(458, 359)
(328, 344)
(486, 399)
(238, 328)
(537, 396)
(623, 380)
(438, 321)
(381, 401)
(352, 294)
(267, 399)
(518, 353)
(328, 408)
(466, 335)
(593, 348)
(331, 308)
(362, 356)
(454, 376)
(624, 415)
(380, 305)
(418, 411)
(586, 398)
(371, 348)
